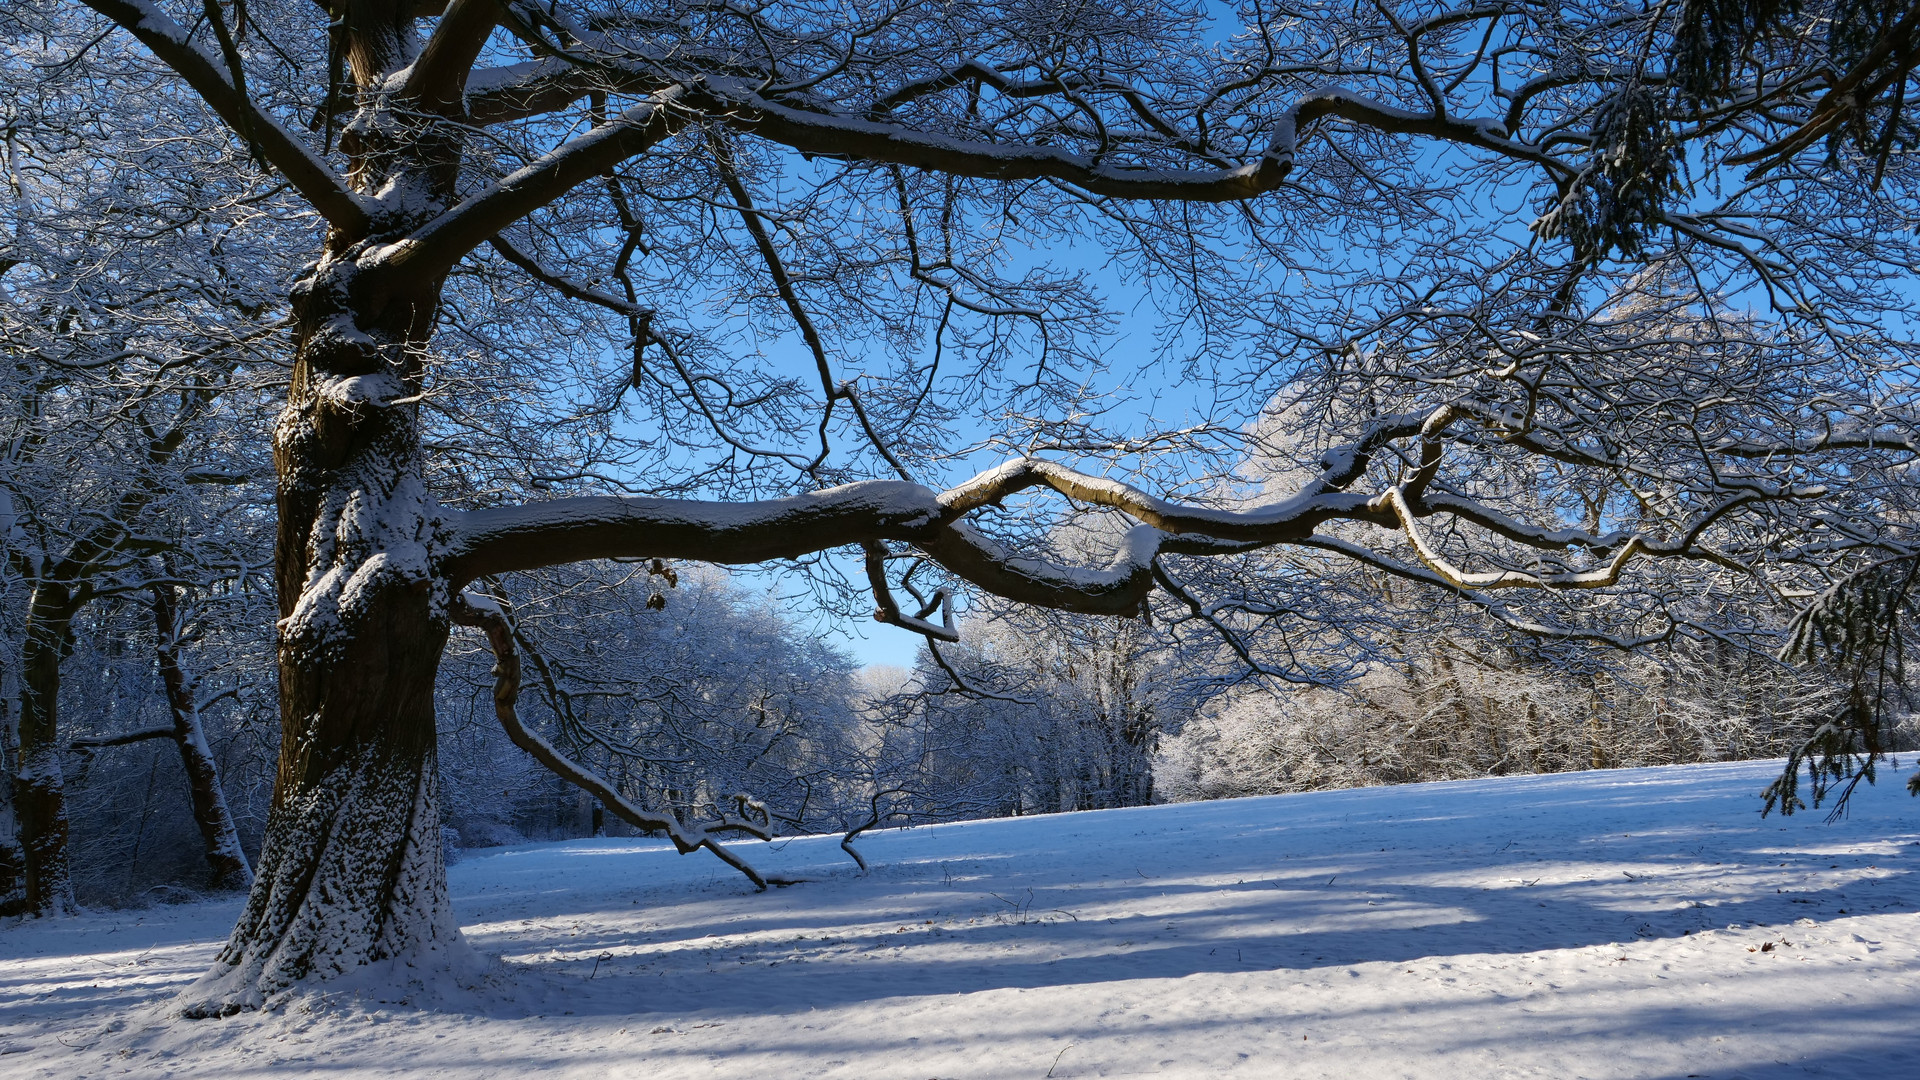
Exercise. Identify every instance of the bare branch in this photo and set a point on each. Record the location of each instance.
(438, 80)
(306, 170)
(483, 613)
(566, 286)
(741, 106)
(87, 744)
(887, 609)
(1505, 579)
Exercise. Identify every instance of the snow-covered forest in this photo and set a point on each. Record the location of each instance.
(437, 431)
(717, 692)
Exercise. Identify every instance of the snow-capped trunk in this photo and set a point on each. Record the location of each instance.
(226, 861)
(39, 788)
(351, 872)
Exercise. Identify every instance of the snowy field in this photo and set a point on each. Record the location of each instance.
(1638, 923)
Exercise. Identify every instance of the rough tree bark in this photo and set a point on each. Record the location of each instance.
(351, 869)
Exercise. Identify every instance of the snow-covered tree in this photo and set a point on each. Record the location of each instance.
(166, 706)
(1467, 704)
(680, 696)
(139, 283)
(1034, 712)
(822, 239)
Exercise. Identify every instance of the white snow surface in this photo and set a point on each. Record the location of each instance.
(1632, 923)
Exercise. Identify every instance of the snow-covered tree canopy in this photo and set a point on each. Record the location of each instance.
(1475, 224)
(1588, 313)
(140, 281)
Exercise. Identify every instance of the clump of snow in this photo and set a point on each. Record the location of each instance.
(1637, 923)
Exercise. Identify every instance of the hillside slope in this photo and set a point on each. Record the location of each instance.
(1634, 923)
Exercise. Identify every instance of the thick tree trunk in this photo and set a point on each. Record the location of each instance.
(39, 788)
(351, 873)
(351, 877)
(226, 862)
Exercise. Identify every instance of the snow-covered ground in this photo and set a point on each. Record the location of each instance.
(1638, 923)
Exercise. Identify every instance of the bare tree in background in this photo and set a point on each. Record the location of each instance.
(1036, 711)
(1412, 228)
(679, 695)
(139, 284)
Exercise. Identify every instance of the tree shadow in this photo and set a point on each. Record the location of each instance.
(908, 930)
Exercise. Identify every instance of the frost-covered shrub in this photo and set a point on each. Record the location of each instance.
(1462, 709)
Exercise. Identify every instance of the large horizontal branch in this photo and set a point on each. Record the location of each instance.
(307, 171)
(498, 541)
(812, 127)
(571, 530)
(836, 134)
(521, 91)
(1119, 588)
(721, 89)
(1277, 522)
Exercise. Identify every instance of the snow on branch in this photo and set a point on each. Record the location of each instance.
(525, 537)
(433, 248)
(1601, 578)
(870, 512)
(305, 170)
(887, 609)
(1494, 609)
(1901, 438)
(520, 91)
(437, 80)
